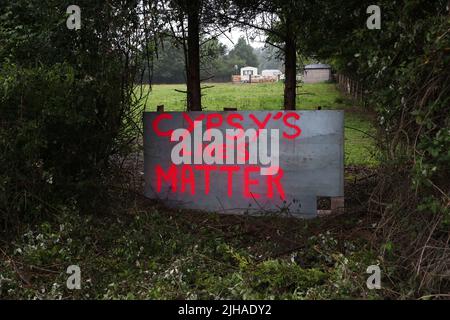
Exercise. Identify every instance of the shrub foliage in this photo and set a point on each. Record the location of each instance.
(66, 104)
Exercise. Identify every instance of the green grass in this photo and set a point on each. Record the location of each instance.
(264, 96)
(359, 147)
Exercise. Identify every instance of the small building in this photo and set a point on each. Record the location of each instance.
(317, 72)
(247, 73)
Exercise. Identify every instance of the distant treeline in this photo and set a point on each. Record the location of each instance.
(218, 63)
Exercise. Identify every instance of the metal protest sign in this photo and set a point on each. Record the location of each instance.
(244, 161)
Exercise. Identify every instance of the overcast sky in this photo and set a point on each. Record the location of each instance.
(234, 36)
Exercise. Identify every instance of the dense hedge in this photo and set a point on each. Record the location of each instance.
(405, 69)
(66, 104)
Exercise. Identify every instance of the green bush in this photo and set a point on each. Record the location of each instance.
(57, 134)
(66, 105)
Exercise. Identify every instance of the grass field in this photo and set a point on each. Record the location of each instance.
(359, 147)
(262, 96)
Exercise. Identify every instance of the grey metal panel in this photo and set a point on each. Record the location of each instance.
(313, 165)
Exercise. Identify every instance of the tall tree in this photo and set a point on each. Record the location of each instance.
(183, 18)
(192, 8)
(191, 23)
(242, 50)
(169, 66)
(290, 59)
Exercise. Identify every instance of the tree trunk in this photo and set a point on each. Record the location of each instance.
(193, 67)
(290, 63)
